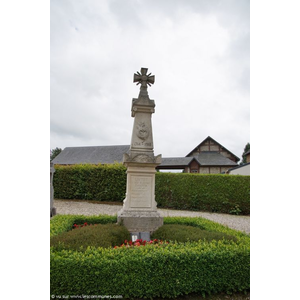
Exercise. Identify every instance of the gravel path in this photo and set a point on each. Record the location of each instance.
(76, 207)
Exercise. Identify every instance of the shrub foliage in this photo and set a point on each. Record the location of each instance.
(91, 182)
(204, 192)
(152, 271)
(212, 192)
(184, 233)
(97, 235)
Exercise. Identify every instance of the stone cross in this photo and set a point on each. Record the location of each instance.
(143, 79)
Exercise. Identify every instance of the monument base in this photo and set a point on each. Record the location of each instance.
(139, 213)
(140, 221)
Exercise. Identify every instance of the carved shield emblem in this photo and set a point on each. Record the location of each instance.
(142, 131)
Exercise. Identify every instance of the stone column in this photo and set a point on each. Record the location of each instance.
(139, 213)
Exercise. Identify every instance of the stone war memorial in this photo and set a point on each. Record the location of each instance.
(139, 212)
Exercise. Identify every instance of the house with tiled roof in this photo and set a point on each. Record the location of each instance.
(209, 157)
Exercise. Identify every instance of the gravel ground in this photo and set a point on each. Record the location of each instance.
(76, 207)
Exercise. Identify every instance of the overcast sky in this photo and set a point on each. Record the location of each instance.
(198, 51)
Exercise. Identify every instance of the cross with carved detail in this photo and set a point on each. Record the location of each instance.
(143, 79)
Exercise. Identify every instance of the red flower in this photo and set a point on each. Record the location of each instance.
(140, 242)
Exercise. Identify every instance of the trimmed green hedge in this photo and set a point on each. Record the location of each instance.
(90, 182)
(152, 271)
(203, 192)
(98, 235)
(185, 233)
(64, 223)
(211, 192)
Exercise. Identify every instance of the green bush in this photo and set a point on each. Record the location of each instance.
(203, 192)
(92, 182)
(97, 235)
(211, 192)
(64, 223)
(184, 233)
(153, 271)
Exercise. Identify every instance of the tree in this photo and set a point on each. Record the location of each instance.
(54, 153)
(246, 149)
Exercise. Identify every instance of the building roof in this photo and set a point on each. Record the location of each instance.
(91, 155)
(240, 170)
(173, 162)
(211, 158)
(237, 158)
(112, 154)
(238, 167)
(205, 158)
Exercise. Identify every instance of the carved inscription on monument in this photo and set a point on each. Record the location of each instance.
(142, 144)
(140, 191)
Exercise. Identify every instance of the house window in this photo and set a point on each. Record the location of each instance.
(194, 171)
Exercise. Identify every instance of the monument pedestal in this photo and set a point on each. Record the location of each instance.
(139, 212)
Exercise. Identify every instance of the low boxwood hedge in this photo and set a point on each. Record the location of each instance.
(202, 192)
(151, 271)
(186, 233)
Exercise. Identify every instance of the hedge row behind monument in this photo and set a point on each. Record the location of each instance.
(213, 192)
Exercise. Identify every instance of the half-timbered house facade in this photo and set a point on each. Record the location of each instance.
(209, 157)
